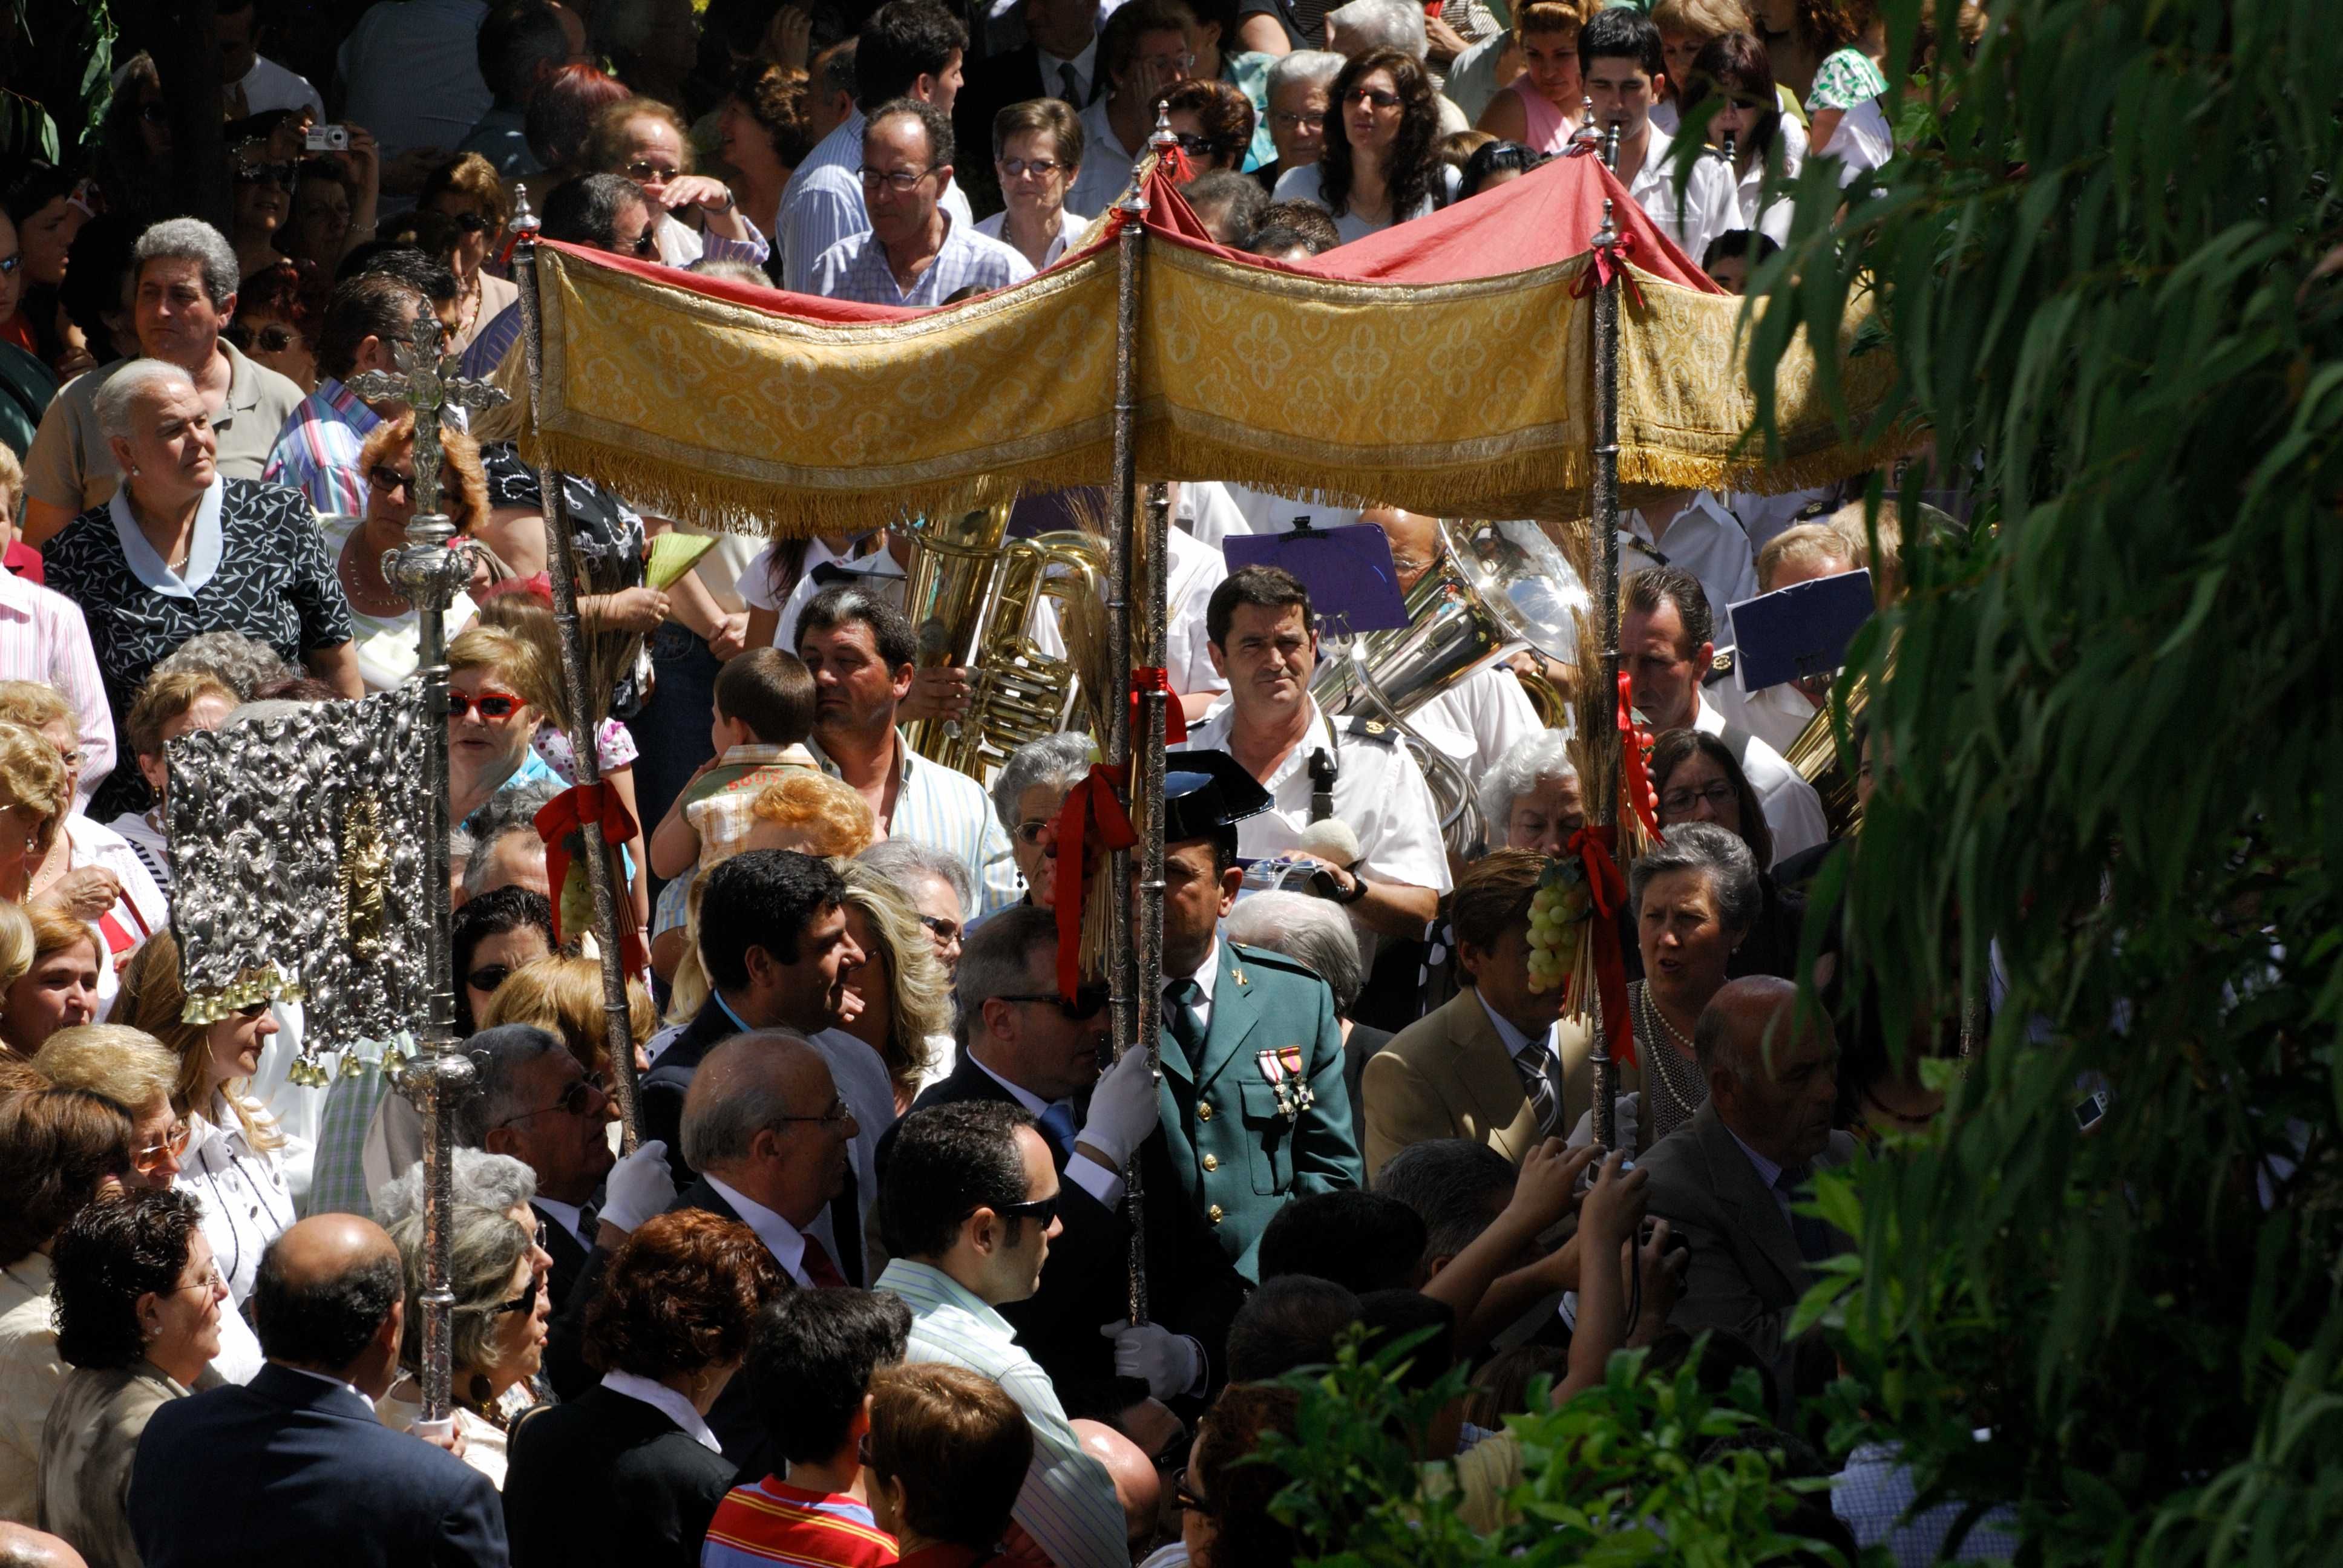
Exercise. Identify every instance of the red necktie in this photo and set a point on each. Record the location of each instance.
(820, 1269)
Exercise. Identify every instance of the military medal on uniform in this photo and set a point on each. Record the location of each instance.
(1282, 1069)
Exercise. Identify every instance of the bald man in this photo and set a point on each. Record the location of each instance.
(1730, 1179)
(1138, 1484)
(22, 1546)
(296, 1467)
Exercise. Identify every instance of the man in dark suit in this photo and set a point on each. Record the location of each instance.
(530, 1099)
(296, 1467)
(1730, 1180)
(773, 941)
(1061, 61)
(1020, 1044)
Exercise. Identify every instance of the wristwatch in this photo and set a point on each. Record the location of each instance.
(729, 202)
(1323, 883)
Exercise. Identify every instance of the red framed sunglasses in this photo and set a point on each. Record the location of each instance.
(492, 704)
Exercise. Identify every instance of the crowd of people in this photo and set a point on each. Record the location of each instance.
(862, 1294)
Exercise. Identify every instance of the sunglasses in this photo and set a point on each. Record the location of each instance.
(492, 704)
(469, 222)
(174, 1144)
(646, 246)
(274, 338)
(948, 932)
(1196, 147)
(252, 1009)
(1376, 95)
(487, 977)
(1089, 1001)
(581, 1096)
(524, 1302)
(644, 169)
(9, 264)
(385, 479)
(1043, 1210)
(281, 176)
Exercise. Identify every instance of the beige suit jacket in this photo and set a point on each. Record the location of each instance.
(1448, 1075)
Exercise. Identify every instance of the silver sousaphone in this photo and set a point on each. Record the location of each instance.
(1496, 588)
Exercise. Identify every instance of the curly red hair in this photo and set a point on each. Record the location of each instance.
(682, 1293)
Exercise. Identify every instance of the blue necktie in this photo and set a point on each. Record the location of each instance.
(1057, 1125)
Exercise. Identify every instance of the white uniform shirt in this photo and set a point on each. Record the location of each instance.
(1792, 810)
(1711, 205)
(1211, 511)
(1771, 218)
(1704, 539)
(1775, 715)
(1106, 164)
(1196, 570)
(1477, 721)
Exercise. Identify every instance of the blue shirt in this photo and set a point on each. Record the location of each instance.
(856, 268)
(823, 204)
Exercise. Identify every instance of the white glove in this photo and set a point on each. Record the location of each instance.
(1629, 1104)
(1124, 1109)
(638, 1187)
(1170, 1363)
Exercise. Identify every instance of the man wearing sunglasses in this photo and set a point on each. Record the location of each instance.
(971, 1210)
(317, 451)
(531, 1099)
(1023, 1044)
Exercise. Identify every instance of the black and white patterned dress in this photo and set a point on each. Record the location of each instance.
(274, 582)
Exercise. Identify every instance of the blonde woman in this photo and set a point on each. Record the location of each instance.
(234, 1163)
(90, 871)
(907, 1010)
(15, 945)
(59, 988)
(564, 997)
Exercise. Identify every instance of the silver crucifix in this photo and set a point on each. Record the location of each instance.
(430, 569)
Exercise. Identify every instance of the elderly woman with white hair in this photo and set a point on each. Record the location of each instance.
(937, 884)
(1301, 97)
(1027, 795)
(182, 549)
(502, 1311)
(1311, 931)
(183, 278)
(1530, 798)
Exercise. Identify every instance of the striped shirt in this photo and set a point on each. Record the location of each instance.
(1067, 1505)
(43, 638)
(317, 452)
(822, 203)
(947, 810)
(773, 1521)
(857, 268)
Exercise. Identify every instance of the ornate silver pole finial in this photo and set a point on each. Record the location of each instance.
(524, 220)
(1586, 138)
(1134, 199)
(428, 571)
(1611, 147)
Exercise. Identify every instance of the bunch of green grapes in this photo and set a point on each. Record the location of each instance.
(1558, 914)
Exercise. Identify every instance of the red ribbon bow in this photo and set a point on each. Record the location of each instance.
(1606, 262)
(1592, 846)
(569, 812)
(1153, 677)
(1096, 799)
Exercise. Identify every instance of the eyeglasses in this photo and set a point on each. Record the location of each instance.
(1376, 95)
(281, 176)
(9, 264)
(213, 1279)
(1039, 168)
(487, 977)
(252, 1009)
(174, 1144)
(1028, 832)
(837, 1112)
(950, 931)
(492, 704)
(1194, 145)
(1089, 1001)
(1677, 801)
(385, 479)
(274, 338)
(901, 179)
(580, 1096)
(469, 222)
(1185, 1496)
(1292, 121)
(1169, 62)
(643, 169)
(524, 1302)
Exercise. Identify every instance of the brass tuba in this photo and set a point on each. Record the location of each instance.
(973, 598)
(1814, 756)
(1495, 585)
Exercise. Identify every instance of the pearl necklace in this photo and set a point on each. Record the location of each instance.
(1665, 1062)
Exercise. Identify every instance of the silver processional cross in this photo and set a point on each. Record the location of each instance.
(430, 569)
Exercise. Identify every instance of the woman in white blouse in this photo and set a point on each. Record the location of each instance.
(1768, 146)
(235, 1162)
(387, 629)
(1379, 166)
(1036, 149)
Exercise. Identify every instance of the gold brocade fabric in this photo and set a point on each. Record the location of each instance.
(1469, 399)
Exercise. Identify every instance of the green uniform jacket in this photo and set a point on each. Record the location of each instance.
(1238, 1156)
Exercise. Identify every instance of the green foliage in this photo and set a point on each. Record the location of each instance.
(2113, 728)
(1616, 1475)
